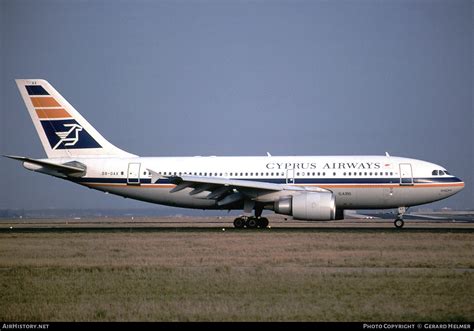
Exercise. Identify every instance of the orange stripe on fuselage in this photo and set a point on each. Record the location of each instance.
(52, 113)
(130, 185)
(387, 185)
(39, 102)
(146, 185)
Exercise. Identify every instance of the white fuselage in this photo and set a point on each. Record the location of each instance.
(358, 182)
(311, 188)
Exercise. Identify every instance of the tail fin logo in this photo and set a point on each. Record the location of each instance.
(64, 135)
(68, 134)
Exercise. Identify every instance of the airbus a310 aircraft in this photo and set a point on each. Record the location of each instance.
(308, 188)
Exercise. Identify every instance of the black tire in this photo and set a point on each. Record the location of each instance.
(263, 222)
(399, 223)
(239, 223)
(252, 223)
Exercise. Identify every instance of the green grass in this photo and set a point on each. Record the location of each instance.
(238, 276)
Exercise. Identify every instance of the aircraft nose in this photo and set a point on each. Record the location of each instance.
(459, 185)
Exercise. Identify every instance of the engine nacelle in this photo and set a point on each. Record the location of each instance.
(314, 206)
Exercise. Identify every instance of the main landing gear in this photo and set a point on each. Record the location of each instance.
(250, 222)
(399, 223)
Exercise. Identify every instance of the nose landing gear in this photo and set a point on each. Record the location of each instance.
(399, 223)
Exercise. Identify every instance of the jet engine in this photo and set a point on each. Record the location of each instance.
(309, 206)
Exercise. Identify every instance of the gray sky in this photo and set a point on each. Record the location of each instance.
(183, 78)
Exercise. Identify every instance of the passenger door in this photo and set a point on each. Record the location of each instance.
(406, 174)
(133, 174)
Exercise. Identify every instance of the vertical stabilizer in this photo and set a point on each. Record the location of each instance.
(62, 130)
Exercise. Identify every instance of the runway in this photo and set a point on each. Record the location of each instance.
(220, 224)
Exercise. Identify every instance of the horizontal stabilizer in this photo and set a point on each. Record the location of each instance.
(73, 169)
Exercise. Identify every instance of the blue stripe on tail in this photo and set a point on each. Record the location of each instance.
(36, 90)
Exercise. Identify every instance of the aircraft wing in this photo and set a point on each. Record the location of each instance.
(228, 191)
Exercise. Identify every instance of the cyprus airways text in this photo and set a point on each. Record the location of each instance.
(328, 165)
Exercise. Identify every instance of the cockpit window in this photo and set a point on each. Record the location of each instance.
(440, 173)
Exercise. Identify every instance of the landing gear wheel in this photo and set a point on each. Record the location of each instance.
(252, 223)
(399, 223)
(263, 222)
(239, 223)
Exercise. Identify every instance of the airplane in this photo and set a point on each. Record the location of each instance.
(307, 188)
